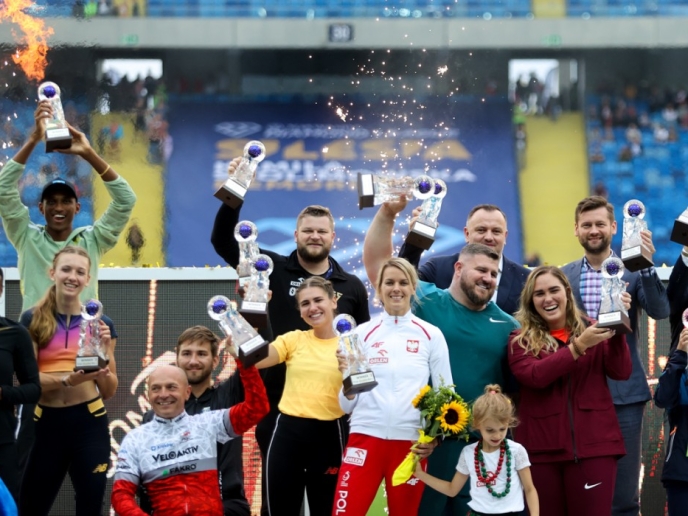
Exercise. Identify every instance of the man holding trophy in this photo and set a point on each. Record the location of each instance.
(314, 237)
(37, 244)
(594, 226)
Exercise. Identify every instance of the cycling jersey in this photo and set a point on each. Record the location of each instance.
(176, 459)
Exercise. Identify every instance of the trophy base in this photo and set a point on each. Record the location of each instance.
(366, 191)
(253, 351)
(421, 235)
(636, 258)
(90, 364)
(618, 321)
(256, 314)
(359, 382)
(57, 139)
(679, 233)
(231, 193)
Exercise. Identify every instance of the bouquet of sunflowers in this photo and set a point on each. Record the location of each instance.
(442, 413)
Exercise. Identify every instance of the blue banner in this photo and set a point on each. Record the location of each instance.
(313, 154)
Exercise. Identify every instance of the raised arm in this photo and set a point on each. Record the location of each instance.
(255, 406)
(650, 293)
(15, 216)
(378, 245)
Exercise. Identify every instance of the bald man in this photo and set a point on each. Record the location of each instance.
(175, 456)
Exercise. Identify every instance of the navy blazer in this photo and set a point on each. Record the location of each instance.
(677, 292)
(440, 271)
(647, 293)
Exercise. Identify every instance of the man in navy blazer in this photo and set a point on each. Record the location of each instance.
(594, 227)
(486, 224)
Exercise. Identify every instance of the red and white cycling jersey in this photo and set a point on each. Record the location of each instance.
(176, 460)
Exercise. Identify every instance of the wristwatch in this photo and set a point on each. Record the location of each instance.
(65, 382)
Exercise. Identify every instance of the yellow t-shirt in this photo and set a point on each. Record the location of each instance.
(313, 379)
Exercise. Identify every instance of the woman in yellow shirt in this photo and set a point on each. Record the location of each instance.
(307, 444)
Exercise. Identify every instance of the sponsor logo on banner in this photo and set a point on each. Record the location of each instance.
(355, 456)
(412, 346)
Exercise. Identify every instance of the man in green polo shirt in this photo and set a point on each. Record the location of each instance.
(476, 331)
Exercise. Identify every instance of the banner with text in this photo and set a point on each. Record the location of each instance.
(313, 153)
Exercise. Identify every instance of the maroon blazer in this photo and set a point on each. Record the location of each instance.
(565, 408)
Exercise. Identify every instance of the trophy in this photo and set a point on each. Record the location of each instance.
(251, 347)
(57, 134)
(254, 306)
(634, 254)
(612, 312)
(233, 191)
(246, 233)
(90, 357)
(374, 190)
(357, 377)
(422, 234)
(679, 233)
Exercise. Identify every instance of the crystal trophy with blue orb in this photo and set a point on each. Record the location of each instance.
(246, 233)
(358, 377)
(57, 134)
(613, 313)
(422, 233)
(633, 253)
(233, 191)
(250, 347)
(91, 356)
(254, 306)
(374, 190)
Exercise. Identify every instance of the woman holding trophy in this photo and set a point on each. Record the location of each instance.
(403, 352)
(567, 420)
(306, 448)
(72, 433)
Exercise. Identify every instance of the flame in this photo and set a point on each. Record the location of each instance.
(32, 57)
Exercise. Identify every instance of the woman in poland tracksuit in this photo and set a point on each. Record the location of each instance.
(403, 352)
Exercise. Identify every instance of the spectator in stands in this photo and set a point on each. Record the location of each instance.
(72, 432)
(384, 422)
(314, 237)
(310, 417)
(568, 424)
(16, 358)
(594, 228)
(485, 224)
(476, 331)
(198, 356)
(671, 393)
(185, 443)
(36, 245)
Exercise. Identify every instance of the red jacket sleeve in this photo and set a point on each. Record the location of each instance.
(255, 405)
(541, 371)
(617, 358)
(123, 499)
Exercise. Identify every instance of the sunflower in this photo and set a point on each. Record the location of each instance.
(419, 397)
(454, 417)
